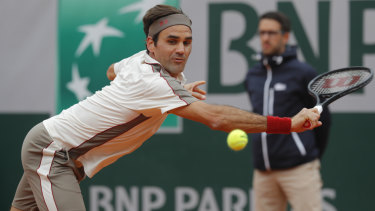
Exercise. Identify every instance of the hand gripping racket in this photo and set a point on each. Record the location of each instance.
(332, 85)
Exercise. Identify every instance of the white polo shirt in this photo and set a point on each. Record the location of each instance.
(116, 120)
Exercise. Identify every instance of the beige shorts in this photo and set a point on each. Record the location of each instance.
(50, 180)
(300, 186)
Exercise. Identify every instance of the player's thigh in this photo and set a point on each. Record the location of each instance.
(50, 173)
(65, 187)
(28, 194)
(302, 185)
(268, 195)
(58, 191)
(24, 198)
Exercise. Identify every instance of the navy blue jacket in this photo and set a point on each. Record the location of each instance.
(282, 91)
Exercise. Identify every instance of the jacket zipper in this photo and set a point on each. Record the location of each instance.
(299, 144)
(265, 113)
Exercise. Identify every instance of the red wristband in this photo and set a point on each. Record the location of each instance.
(278, 125)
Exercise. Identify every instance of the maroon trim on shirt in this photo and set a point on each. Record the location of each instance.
(105, 136)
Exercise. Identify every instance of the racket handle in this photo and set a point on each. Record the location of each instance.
(319, 107)
(308, 123)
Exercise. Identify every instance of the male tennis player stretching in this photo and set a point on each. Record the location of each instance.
(146, 87)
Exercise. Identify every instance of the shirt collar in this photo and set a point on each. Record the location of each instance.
(149, 60)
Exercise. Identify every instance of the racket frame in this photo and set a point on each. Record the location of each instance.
(329, 98)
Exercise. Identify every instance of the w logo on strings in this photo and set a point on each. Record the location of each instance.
(341, 82)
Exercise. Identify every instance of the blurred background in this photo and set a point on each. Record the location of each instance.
(45, 45)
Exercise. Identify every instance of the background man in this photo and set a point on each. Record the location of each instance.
(287, 166)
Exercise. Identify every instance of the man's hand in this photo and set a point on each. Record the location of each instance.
(311, 115)
(111, 72)
(195, 91)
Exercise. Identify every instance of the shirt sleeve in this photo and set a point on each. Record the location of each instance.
(167, 93)
(119, 65)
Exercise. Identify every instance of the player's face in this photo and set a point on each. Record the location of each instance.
(273, 40)
(172, 49)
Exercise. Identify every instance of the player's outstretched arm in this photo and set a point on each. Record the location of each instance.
(228, 118)
(224, 118)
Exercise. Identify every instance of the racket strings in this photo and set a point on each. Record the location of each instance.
(340, 81)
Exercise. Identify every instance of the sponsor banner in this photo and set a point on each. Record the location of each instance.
(184, 198)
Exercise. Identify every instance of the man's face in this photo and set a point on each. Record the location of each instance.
(172, 49)
(273, 40)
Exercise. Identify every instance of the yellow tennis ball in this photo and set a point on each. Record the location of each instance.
(237, 139)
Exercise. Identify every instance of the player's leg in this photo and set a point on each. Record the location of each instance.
(268, 195)
(50, 173)
(59, 189)
(64, 178)
(302, 185)
(65, 189)
(24, 198)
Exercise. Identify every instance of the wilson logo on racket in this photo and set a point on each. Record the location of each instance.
(340, 82)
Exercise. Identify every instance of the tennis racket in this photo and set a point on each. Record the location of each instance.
(332, 85)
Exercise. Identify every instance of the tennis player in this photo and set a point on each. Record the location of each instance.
(59, 152)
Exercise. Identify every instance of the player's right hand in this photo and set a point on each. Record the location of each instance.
(311, 115)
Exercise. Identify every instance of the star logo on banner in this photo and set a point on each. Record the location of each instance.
(95, 34)
(79, 85)
(141, 6)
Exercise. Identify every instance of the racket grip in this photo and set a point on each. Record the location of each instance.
(319, 107)
(308, 123)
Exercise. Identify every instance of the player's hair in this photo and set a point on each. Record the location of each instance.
(155, 13)
(279, 17)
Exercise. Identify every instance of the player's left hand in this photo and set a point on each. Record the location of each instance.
(311, 115)
(195, 90)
